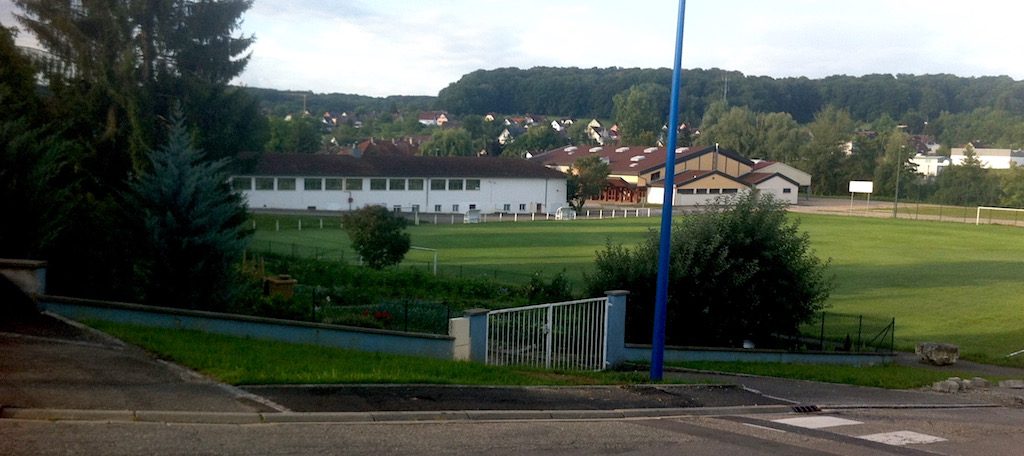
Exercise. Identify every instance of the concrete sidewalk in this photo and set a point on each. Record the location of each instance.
(47, 363)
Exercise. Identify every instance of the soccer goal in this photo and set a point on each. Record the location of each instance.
(999, 215)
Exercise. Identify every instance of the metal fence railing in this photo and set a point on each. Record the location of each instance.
(567, 335)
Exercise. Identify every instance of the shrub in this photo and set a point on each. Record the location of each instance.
(557, 289)
(739, 270)
(378, 235)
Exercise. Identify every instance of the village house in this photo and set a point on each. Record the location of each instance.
(433, 118)
(402, 183)
(702, 174)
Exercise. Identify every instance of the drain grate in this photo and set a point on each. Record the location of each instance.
(806, 408)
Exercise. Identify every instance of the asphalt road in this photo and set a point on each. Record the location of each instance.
(845, 432)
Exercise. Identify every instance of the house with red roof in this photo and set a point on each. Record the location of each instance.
(701, 173)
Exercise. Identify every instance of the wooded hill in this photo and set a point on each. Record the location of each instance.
(577, 92)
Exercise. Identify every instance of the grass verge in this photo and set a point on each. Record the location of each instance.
(245, 361)
(882, 376)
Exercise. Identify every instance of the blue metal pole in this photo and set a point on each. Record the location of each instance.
(661, 299)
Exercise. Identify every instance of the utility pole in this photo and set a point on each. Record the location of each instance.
(896, 197)
(661, 297)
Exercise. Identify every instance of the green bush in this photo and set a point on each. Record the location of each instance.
(739, 270)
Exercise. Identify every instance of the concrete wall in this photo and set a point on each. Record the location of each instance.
(363, 339)
(522, 196)
(642, 353)
(28, 275)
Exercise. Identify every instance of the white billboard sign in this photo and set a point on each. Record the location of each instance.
(861, 186)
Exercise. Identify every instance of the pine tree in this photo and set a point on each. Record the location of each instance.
(193, 226)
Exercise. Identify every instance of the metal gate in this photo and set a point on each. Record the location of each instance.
(567, 335)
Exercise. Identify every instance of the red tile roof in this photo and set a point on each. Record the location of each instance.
(397, 166)
(624, 160)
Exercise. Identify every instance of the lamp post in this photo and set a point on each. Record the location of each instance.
(896, 197)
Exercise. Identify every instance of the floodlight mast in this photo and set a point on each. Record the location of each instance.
(661, 298)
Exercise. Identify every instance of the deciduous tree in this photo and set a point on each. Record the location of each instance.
(967, 184)
(378, 235)
(640, 112)
(586, 179)
(448, 142)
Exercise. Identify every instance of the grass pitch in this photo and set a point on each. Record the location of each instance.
(943, 282)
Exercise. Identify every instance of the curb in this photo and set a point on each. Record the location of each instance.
(158, 416)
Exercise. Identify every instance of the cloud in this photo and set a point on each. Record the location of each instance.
(385, 47)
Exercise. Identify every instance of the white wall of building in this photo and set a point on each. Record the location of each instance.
(930, 165)
(778, 187)
(989, 158)
(781, 189)
(656, 194)
(512, 195)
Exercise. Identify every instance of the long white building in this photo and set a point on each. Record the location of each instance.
(407, 184)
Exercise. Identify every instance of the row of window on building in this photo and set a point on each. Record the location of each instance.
(332, 183)
(507, 207)
(715, 191)
(706, 191)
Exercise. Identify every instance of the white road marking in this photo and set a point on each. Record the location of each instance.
(763, 427)
(817, 422)
(900, 438)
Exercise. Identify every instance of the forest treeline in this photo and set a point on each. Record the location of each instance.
(576, 92)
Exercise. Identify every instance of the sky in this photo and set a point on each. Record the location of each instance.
(415, 47)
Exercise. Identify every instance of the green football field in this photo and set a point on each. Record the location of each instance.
(944, 282)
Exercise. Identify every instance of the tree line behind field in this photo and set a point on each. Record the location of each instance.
(574, 92)
(954, 110)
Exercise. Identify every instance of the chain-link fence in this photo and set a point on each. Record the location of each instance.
(850, 333)
(407, 315)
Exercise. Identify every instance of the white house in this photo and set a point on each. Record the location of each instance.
(989, 158)
(402, 183)
(930, 165)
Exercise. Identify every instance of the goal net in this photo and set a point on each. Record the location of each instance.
(998, 215)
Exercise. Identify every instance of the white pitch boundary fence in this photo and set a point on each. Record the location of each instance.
(567, 335)
(977, 218)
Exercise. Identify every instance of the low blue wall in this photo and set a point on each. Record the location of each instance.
(642, 353)
(363, 339)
